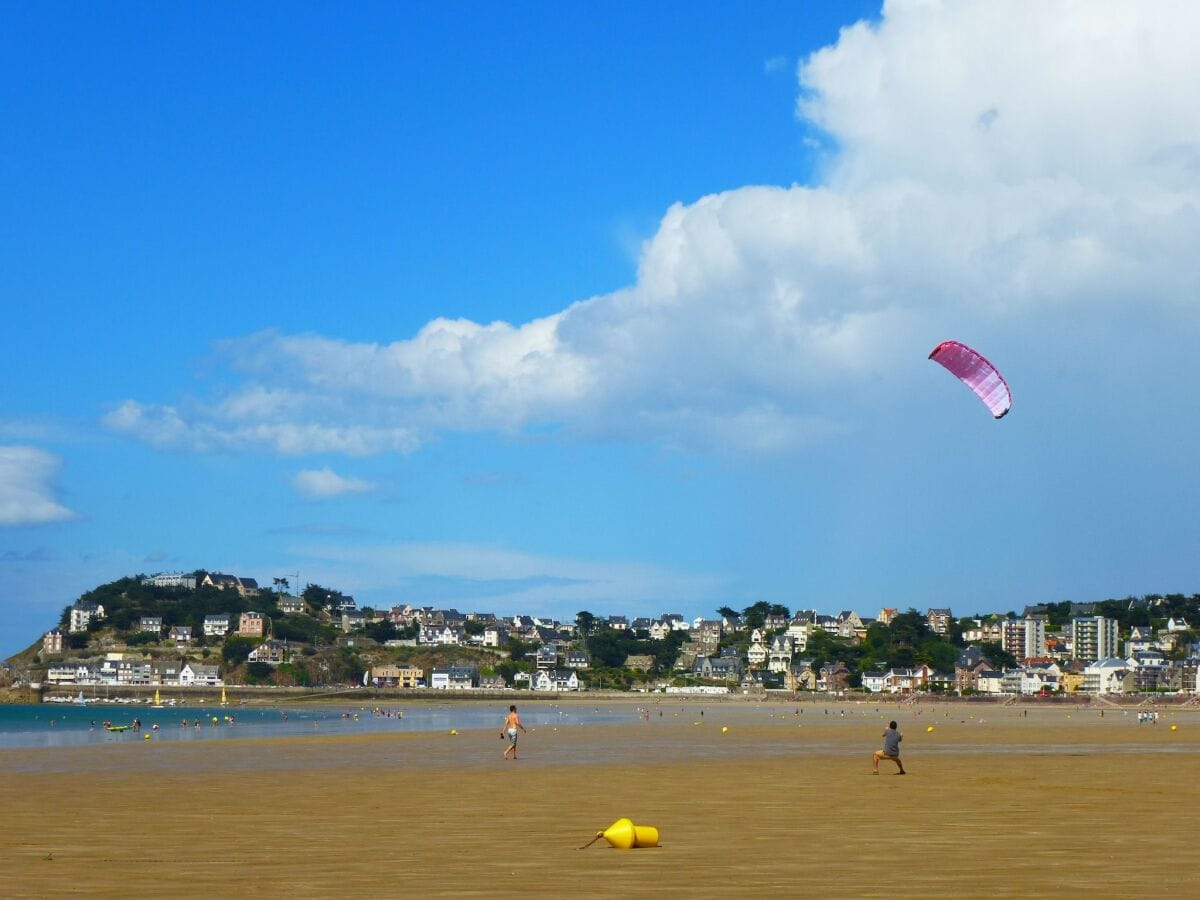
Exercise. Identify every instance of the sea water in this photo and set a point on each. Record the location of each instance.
(73, 725)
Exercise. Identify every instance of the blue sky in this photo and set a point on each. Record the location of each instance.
(618, 309)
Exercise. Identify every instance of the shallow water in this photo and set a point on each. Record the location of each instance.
(52, 725)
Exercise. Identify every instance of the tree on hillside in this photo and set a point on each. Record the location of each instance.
(726, 612)
(585, 621)
(236, 649)
(381, 631)
(755, 614)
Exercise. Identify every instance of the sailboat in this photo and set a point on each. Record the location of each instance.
(80, 699)
(158, 704)
(224, 702)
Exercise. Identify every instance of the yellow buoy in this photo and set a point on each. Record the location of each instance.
(1174, 727)
(930, 728)
(454, 731)
(724, 729)
(624, 835)
(145, 737)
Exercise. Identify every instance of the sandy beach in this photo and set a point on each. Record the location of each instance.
(998, 802)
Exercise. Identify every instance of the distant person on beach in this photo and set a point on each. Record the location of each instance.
(511, 723)
(891, 749)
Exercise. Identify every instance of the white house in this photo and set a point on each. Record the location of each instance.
(455, 678)
(874, 681)
(82, 614)
(290, 604)
(216, 626)
(756, 655)
(989, 682)
(555, 680)
(196, 674)
(779, 655)
(1105, 676)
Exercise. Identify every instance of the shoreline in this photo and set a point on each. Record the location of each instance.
(242, 695)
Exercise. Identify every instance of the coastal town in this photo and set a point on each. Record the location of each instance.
(161, 631)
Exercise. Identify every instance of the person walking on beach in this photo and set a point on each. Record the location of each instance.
(511, 723)
(891, 749)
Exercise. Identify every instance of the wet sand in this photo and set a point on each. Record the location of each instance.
(996, 804)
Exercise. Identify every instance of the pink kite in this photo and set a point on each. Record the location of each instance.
(975, 372)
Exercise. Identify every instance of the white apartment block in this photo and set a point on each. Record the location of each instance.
(1093, 638)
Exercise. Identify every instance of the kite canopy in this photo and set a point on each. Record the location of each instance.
(969, 367)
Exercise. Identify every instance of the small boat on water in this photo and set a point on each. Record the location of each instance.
(158, 704)
(109, 726)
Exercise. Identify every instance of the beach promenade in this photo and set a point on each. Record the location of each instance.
(999, 803)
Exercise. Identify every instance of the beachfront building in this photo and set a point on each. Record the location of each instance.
(1040, 678)
(455, 678)
(989, 681)
(897, 681)
(874, 681)
(1149, 668)
(68, 673)
(216, 626)
(1108, 676)
(199, 675)
(397, 676)
(833, 677)
(555, 680)
(718, 668)
(165, 672)
(1093, 638)
(800, 676)
(133, 671)
(1024, 638)
(271, 652)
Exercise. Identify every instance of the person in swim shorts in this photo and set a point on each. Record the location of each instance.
(891, 749)
(511, 723)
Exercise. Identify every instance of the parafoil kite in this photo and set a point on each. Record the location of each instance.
(969, 367)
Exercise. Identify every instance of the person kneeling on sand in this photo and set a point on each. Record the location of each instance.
(891, 749)
(511, 723)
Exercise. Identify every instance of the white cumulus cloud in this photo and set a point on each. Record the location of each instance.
(323, 483)
(26, 492)
(991, 166)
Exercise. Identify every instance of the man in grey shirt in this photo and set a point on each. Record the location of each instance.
(891, 749)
